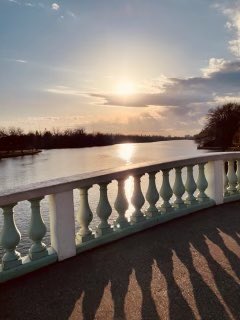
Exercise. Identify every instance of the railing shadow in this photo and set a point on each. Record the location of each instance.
(139, 277)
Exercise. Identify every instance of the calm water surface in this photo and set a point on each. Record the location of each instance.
(51, 164)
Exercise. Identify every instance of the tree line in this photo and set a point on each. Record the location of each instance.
(16, 139)
(222, 125)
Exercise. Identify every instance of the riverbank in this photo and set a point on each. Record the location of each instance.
(219, 149)
(76, 138)
(18, 153)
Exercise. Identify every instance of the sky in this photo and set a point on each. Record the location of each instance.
(120, 66)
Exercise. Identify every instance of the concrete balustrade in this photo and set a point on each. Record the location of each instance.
(177, 197)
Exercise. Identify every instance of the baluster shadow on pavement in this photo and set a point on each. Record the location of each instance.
(172, 271)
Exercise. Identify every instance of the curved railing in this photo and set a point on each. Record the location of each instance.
(218, 181)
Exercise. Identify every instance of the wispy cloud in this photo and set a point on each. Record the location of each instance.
(21, 61)
(15, 60)
(71, 14)
(61, 11)
(55, 6)
(29, 4)
(14, 1)
(66, 91)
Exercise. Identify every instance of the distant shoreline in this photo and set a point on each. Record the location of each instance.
(14, 142)
(218, 149)
(18, 153)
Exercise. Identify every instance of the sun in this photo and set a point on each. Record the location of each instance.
(125, 88)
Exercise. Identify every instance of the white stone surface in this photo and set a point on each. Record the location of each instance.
(62, 224)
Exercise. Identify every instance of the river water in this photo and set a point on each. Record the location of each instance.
(51, 164)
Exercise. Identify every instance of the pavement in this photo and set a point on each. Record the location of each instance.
(188, 268)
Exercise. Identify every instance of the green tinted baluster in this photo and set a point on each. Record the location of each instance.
(225, 178)
(232, 178)
(178, 189)
(190, 187)
(84, 217)
(9, 239)
(152, 196)
(104, 211)
(202, 183)
(137, 201)
(121, 205)
(37, 231)
(166, 192)
(238, 175)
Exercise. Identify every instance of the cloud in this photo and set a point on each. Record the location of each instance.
(214, 65)
(71, 14)
(21, 61)
(231, 9)
(219, 77)
(29, 4)
(15, 60)
(63, 90)
(14, 1)
(55, 6)
(185, 100)
(165, 103)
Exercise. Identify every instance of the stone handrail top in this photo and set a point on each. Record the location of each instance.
(40, 189)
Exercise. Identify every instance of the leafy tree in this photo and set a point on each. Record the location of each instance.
(221, 126)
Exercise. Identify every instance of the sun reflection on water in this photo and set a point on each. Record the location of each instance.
(126, 151)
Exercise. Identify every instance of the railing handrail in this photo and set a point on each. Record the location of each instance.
(63, 184)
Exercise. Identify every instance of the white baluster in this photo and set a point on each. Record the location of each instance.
(166, 192)
(232, 178)
(84, 217)
(152, 196)
(37, 231)
(137, 201)
(9, 239)
(238, 175)
(178, 189)
(190, 187)
(104, 211)
(121, 205)
(202, 183)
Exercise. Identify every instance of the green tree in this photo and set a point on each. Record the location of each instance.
(221, 126)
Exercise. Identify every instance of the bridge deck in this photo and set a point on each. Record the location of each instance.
(185, 269)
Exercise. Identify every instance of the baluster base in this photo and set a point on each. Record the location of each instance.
(232, 191)
(166, 209)
(8, 263)
(38, 251)
(226, 194)
(38, 255)
(191, 202)
(136, 217)
(203, 198)
(85, 238)
(102, 231)
(181, 205)
(152, 213)
(121, 224)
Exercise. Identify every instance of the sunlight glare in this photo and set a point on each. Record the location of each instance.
(125, 88)
(125, 152)
(128, 191)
